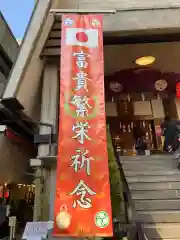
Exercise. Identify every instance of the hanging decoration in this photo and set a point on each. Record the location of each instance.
(160, 85)
(178, 89)
(116, 87)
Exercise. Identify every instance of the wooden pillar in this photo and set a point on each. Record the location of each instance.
(49, 114)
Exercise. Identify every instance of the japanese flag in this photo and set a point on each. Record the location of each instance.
(82, 37)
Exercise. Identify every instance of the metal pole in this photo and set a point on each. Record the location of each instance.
(81, 11)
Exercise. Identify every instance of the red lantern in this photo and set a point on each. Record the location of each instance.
(178, 90)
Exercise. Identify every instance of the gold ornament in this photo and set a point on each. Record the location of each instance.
(63, 219)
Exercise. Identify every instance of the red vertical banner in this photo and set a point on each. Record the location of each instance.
(82, 204)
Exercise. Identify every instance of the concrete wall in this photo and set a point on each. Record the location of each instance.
(9, 50)
(25, 79)
(149, 14)
(7, 40)
(14, 161)
(118, 4)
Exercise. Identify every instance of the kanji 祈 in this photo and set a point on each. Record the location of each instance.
(81, 130)
(80, 160)
(81, 190)
(81, 80)
(81, 59)
(81, 104)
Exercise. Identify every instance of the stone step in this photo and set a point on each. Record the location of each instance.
(148, 168)
(155, 178)
(147, 165)
(149, 162)
(166, 239)
(165, 204)
(153, 163)
(140, 168)
(151, 157)
(162, 230)
(154, 186)
(151, 173)
(159, 194)
(157, 161)
(159, 216)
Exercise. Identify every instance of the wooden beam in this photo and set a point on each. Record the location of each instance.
(55, 34)
(57, 26)
(53, 43)
(52, 47)
(51, 52)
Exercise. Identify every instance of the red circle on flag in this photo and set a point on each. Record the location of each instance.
(82, 37)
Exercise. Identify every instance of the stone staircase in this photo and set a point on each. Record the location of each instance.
(155, 186)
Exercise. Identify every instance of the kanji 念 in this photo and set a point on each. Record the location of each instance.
(81, 130)
(82, 105)
(80, 160)
(81, 80)
(81, 59)
(81, 190)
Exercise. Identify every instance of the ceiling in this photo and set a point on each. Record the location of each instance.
(120, 57)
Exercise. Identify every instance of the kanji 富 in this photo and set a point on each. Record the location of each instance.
(81, 130)
(82, 105)
(81, 190)
(80, 160)
(81, 80)
(81, 59)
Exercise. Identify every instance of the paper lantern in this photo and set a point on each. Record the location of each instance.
(160, 85)
(116, 87)
(178, 90)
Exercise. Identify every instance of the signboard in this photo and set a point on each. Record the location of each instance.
(82, 204)
(142, 108)
(37, 230)
(12, 221)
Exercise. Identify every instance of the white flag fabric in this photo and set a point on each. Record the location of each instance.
(82, 37)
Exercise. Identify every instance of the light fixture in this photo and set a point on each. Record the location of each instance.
(144, 61)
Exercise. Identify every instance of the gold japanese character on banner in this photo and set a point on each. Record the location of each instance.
(81, 130)
(81, 59)
(81, 190)
(81, 81)
(81, 104)
(81, 160)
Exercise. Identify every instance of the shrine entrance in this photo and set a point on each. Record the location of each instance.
(140, 85)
